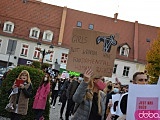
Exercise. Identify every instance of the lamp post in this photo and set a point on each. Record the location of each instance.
(44, 52)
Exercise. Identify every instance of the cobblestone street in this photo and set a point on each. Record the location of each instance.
(55, 113)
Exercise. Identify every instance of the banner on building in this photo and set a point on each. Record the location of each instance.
(92, 49)
(143, 102)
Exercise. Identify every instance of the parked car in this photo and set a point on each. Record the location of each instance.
(1, 73)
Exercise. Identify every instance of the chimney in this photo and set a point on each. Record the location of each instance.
(115, 17)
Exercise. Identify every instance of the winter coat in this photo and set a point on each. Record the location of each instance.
(54, 85)
(71, 89)
(22, 99)
(41, 97)
(84, 108)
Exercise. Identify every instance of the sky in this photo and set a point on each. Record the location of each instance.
(144, 11)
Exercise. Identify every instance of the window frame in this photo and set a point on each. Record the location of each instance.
(44, 35)
(25, 50)
(115, 68)
(50, 57)
(32, 30)
(79, 24)
(36, 51)
(90, 26)
(124, 50)
(6, 29)
(126, 70)
(64, 59)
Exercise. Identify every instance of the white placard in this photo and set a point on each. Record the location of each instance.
(143, 99)
(115, 98)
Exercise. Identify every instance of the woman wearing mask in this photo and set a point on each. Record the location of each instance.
(19, 98)
(40, 99)
(90, 98)
(108, 90)
(56, 86)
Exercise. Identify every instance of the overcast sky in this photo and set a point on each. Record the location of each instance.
(144, 11)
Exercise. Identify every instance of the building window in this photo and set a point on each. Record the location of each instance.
(11, 47)
(34, 33)
(8, 27)
(64, 58)
(49, 57)
(124, 50)
(126, 71)
(24, 50)
(91, 26)
(115, 69)
(36, 53)
(79, 24)
(47, 35)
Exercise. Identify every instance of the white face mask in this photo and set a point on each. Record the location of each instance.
(115, 90)
(45, 79)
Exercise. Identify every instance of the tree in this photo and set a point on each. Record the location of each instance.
(36, 76)
(153, 61)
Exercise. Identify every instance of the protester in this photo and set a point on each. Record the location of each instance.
(19, 97)
(70, 92)
(138, 78)
(62, 81)
(40, 98)
(108, 91)
(64, 96)
(90, 98)
(116, 91)
(56, 86)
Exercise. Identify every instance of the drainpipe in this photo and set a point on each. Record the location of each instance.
(136, 41)
(64, 14)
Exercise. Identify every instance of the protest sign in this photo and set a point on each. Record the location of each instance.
(115, 100)
(92, 49)
(143, 102)
(65, 75)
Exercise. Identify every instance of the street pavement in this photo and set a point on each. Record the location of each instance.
(55, 113)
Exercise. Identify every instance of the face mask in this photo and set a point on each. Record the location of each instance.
(100, 85)
(80, 79)
(45, 79)
(115, 90)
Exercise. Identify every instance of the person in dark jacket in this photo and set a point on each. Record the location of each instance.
(70, 92)
(56, 86)
(64, 96)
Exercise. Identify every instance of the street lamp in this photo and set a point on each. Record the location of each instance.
(44, 52)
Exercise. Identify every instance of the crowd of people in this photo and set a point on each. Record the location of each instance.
(87, 97)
